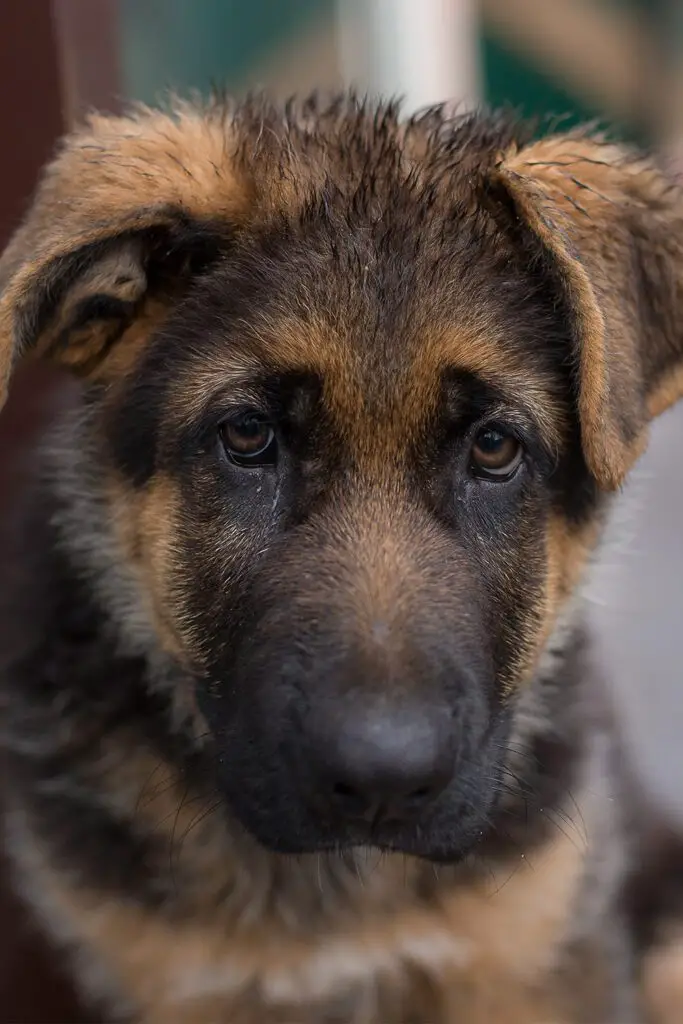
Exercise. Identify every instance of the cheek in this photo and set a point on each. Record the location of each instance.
(159, 511)
(509, 552)
(222, 531)
(144, 524)
(568, 551)
(543, 574)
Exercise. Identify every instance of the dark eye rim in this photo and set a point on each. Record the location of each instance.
(506, 473)
(265, 456)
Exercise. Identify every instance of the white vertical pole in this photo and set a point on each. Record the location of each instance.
(424, 50)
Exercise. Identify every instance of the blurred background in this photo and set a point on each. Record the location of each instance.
(620, 61)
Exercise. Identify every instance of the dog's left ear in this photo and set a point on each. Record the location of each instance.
(125, 216)
(608, 227)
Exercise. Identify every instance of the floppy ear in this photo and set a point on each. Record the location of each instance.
(128, 211)
(609, 228)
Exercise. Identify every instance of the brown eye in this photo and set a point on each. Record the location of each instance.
(495, 454)
(249, 440)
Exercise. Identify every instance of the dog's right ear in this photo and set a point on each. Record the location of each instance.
(607, 225)
(131, 208)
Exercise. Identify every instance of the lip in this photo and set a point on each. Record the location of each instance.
(416, 845)
(447, 841)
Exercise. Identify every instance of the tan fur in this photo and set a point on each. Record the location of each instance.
(568, 552)
(120, 363)
(598, 430)
(119, 174)
(666, 393)
(159, 510)
(118, 274)
(141, 525)
(307, 342)
(575, 193)
(662, 981)
(490, 948)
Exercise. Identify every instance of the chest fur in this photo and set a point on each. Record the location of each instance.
(495, 949)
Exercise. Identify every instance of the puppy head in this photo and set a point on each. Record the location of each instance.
(357, 389)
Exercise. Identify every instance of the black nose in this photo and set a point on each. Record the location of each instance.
(378, 765)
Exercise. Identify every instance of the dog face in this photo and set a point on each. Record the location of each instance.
(355, 391)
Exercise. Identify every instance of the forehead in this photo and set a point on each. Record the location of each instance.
(375, 261)
(380, 310)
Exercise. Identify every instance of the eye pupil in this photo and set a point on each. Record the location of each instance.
(490, 441)
(495, 454)
(250, 429)
(249, 439)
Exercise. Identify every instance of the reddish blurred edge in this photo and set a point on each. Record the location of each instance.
(56, 59)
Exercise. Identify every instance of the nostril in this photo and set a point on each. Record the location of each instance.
(354, 802)
(349, 800)
(345, 791)
(374, 799)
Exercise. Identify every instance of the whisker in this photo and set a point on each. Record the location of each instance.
(197, 820)
(172, 838)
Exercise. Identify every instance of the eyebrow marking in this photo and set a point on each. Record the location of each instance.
(358, 390)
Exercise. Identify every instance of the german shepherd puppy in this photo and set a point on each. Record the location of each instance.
(299, 713)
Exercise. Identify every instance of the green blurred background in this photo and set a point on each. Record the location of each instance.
(611, 59)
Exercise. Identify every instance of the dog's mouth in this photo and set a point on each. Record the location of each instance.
(282, 823)
(421, 843)
(431, 842)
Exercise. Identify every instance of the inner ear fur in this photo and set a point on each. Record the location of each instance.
(609, 226)
(131, 207)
